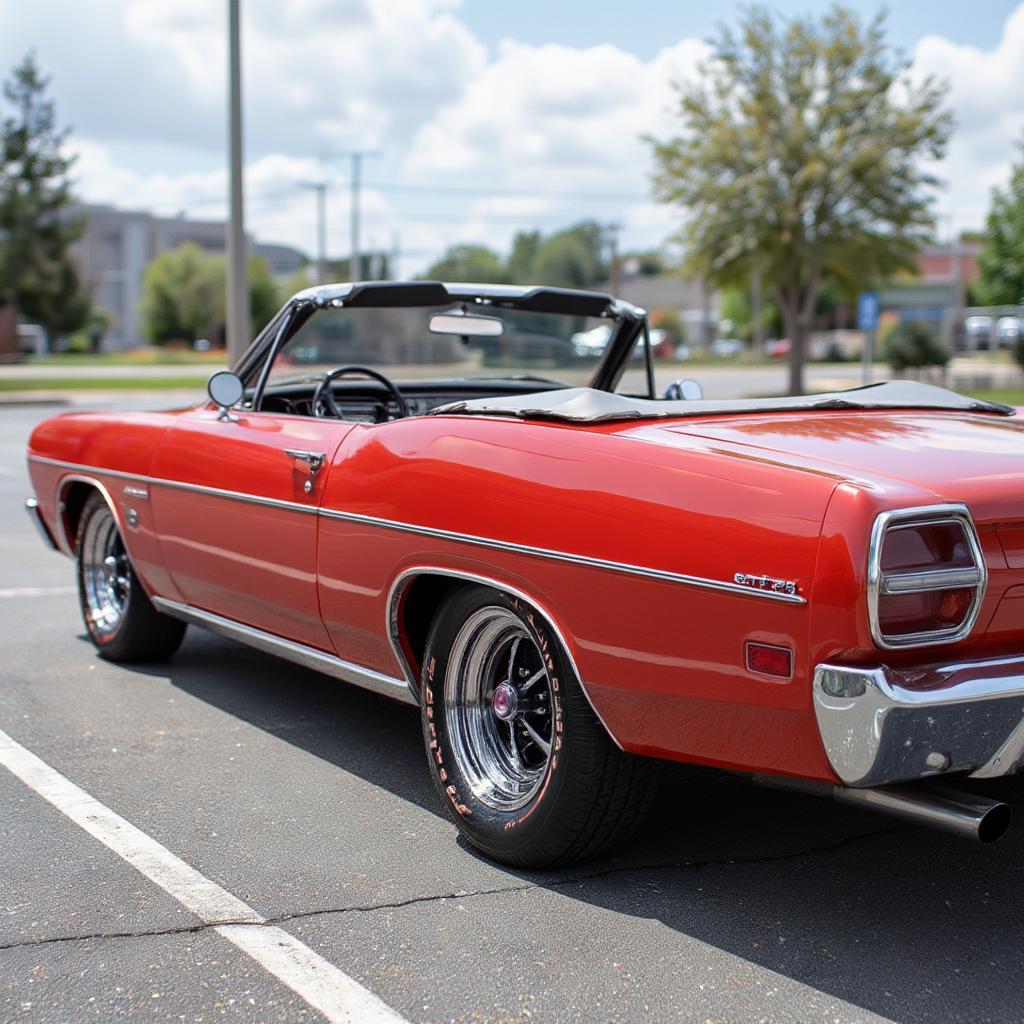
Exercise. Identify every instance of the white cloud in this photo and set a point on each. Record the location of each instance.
(143, 85)
(987, 99)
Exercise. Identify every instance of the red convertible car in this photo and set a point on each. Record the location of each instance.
(573, 583)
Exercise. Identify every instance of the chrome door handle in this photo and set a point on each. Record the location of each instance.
(314, 460)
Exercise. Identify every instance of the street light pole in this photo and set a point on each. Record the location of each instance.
(238, 326)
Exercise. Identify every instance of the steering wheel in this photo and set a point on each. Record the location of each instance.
(323, 398)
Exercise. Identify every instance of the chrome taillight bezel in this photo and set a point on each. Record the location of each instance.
(941, 579)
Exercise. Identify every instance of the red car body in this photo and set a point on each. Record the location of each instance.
(658, 549)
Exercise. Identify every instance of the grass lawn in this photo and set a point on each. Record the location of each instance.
(136, 357)
(8, 384)
(1009, 396)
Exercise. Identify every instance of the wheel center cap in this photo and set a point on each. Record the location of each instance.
(504, 701)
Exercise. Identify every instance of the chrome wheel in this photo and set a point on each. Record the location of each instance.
(498, 702)
(106, 575)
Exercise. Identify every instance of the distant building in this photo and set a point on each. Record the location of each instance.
(688, 298)
(938, 294)
(118, 245)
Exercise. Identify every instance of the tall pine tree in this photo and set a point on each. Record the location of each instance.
(37, 277)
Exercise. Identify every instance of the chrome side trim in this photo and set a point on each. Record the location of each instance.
(178, 485)
(300, 654)
(879, 725)
(451, 535)
(562, 556)
(879, 583)
(403, 579)
(32, 508)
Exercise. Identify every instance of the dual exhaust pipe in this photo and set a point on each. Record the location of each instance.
(961, 814)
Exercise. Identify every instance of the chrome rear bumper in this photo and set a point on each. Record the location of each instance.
(881, 726)
(32, 508)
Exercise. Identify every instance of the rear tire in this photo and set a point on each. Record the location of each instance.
(121, 620)
(519, 758)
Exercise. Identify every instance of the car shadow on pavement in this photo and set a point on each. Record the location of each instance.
(906, 923)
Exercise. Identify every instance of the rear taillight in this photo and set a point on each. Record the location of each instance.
(926, 576)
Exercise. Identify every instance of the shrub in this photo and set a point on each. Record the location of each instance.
(913, 344)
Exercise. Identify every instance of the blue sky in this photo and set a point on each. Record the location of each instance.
(489, 117)
(643, 28)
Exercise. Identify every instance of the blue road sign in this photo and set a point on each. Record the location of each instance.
(867, 311)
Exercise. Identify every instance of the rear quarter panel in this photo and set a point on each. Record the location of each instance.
(663, 662)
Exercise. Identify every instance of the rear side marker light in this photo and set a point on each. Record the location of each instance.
(768, 660)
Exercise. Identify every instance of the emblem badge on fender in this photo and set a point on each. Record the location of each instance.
(746, 579)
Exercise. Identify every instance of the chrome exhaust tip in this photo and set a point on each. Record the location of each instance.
(963, 814)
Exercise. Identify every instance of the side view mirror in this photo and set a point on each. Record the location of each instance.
(685, 389)
(226, 391)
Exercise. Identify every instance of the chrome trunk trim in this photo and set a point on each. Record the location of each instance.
(300, 654)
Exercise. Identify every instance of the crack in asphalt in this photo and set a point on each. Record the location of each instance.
(558, 883)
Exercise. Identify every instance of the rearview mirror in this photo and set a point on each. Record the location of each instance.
(467, 326)
(225, 390)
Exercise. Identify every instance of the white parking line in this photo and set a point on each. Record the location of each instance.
(341, 999)
(36, 591)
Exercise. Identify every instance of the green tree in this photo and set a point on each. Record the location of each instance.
(564, 261)
(575, 257)
(802, 152)
(521, 267)
(264, 299)
(470, 263)
(184, 295)
(36, 273)
(1001, 260)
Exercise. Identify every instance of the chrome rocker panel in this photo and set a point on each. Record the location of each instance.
(309, 657)
(881, 726)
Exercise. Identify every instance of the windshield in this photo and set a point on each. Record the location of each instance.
(400, 343)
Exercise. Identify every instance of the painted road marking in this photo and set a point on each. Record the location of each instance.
(341, 999)
(37, 591)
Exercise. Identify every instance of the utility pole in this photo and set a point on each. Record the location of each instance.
(320, 188)
(615, 267)
(355, 184)
(238, 327)
(396, 255)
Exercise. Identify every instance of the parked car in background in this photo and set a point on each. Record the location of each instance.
(591, 344)
(823, 593)
(777, 349)
(1009, 330)
(727, 348)
(979, 332)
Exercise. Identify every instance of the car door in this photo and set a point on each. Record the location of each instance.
(236, 515)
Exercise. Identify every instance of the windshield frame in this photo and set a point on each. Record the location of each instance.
(629, 321)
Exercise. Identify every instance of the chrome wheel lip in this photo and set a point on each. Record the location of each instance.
(495, 711)
(105, 574)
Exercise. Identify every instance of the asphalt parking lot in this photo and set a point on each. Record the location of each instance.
(311, 802)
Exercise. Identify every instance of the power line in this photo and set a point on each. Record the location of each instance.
(486, 190)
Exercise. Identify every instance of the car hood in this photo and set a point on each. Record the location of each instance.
(955, 456)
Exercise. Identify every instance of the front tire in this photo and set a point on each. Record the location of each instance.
(519, 758)
(121, 620)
